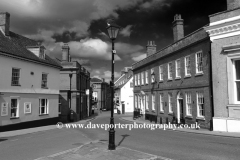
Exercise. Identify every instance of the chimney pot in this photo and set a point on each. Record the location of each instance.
(233, 4)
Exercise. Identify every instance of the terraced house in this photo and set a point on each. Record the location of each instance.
(29, 81)
(174, 84)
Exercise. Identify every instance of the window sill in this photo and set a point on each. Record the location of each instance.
(189, 116)
(201, 118)
(160, 81)
(169, 79)
(14, 117)
(146, 110)
(16, 85)
(161, 112)
(43, 114)
(199, 74)
(170, 113)
(187, 76)
(44, 87)
(177, 78)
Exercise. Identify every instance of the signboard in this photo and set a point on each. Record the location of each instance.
(4, 109)
(27, 107)
(87, 91)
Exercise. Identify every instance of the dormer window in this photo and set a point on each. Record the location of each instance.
(39, 51)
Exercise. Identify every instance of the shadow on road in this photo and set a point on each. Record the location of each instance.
(123, 137)
(2, 139)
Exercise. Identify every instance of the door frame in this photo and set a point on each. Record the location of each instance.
(179, 97)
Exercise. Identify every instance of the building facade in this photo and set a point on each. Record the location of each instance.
(29, 84)
(224, 32)
(173, 84)
(74, 98)
(123, 94)
(101, 93)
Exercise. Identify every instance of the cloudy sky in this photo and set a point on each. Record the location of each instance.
(82, 24)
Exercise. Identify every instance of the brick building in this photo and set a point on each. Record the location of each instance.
(173, 84)
(224, 32)
(101, 93)
(75, 81)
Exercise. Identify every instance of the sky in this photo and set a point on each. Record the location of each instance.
(82, 24)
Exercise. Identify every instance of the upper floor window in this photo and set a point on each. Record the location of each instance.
(152, 77)
(135, 79)
(178, 68)
(187, 66)
(15, 76)
(44, 80)
(139, 83)
(170, 70)
(200, 104)
(146, 76)
(199, 62)
(160, 73)
(142, 76)
(161, 102)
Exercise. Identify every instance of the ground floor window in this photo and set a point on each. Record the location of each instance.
(188, 104)
(147, 100)
(200, 104)
(161, 102)
(136, 101)
(43, 106)
(153, 102)
(170, 103)
(14, 107)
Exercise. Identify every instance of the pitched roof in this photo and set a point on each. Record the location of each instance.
(15, 45)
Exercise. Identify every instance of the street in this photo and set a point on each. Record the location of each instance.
(168, 143)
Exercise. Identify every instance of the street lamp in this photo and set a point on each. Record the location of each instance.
(113, 30)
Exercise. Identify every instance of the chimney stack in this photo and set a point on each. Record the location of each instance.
(178, 31)
(151, 48)
(233, 4)
(65, 53)
(5, 22)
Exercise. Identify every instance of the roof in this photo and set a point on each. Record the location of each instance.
(16, 45)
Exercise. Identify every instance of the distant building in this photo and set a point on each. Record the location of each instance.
(75, 84)
(124, 91)
(173, 84)
(101, 93)
(224, 32)
(29, 81)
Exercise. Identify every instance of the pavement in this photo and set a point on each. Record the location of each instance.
(196, 131)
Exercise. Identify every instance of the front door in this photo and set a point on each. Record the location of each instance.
(181, 111)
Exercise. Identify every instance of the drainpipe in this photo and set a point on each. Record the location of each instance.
(211, 86)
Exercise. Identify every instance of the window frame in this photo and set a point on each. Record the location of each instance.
(153, 102)
(161, 102)
(197, 63)
(142, 77)
(146, 76)
(18, 78)
(43, 81)
(147, 102)
(170, 103)
(201, 95)
(178, 68)
(234, 81)
(139, 82)
(46, 106)
(17, 107)
(161, 73)
(170, 71)
(187, 66)
(188, 97)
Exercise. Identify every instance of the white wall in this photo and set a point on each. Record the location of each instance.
(127, 96)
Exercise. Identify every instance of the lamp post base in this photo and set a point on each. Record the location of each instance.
(111, 145)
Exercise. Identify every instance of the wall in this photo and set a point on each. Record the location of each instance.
(127, 96)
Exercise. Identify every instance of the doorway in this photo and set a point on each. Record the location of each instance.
(180, 110)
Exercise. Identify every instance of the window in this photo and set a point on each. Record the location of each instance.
(44, 80)
(236, 80)
(170, 70)
(153, 102)
(147, 102)
(199, 62)
(59, 105)
(146, 76)
(139, 101)
(139, 79)
(178, 68)
(188, 104)
(43, 106)
(152, 77)
(15, 76)
(161, 102)
(135, 80)
(136, 101)
(200, 104)
(170, 105)
(144, 102)
(14, 107)
(161, 73)
(142, 76)
(187, 66)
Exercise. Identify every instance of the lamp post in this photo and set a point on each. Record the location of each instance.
(113, 30)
